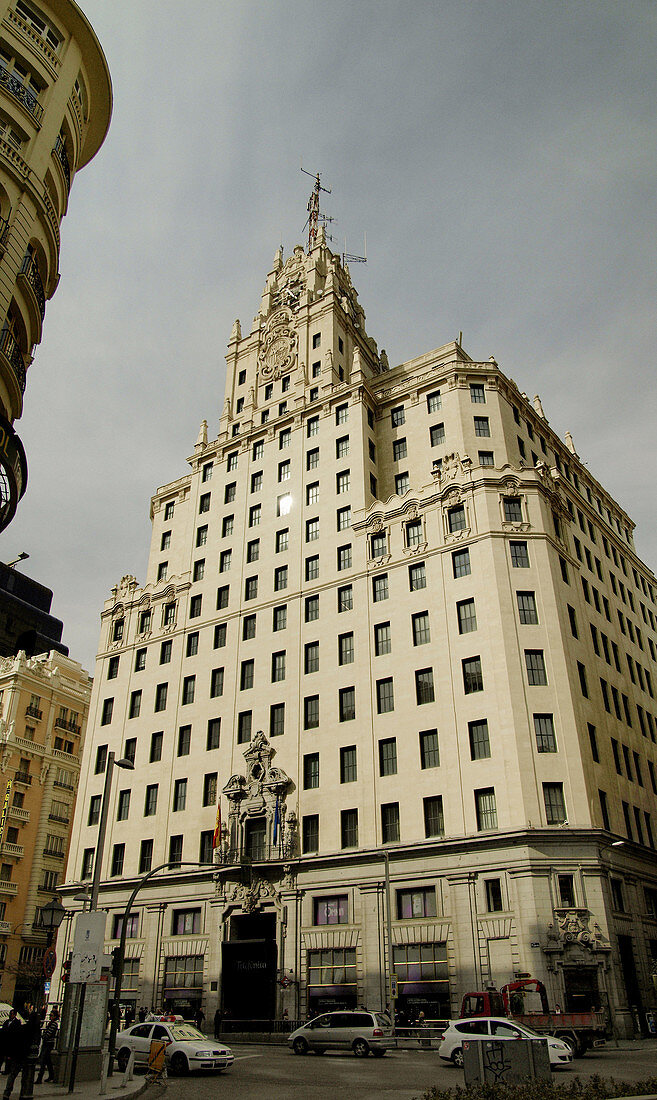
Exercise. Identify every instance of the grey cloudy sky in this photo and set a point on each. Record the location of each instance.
(501, 157)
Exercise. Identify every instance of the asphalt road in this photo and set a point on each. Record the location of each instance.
(272, 1073)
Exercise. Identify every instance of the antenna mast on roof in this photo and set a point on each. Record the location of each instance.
(315, 219)
(349, 258)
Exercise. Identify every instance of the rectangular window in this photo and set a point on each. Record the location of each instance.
(486, 458)
(512, 509)
(256, 483)
(251, 588)
(341, 414)
(312, 529)
(285, 435)
(312, 567)
(312, 426)
(255, 512)
(192, 644)
(382, 640)
(343, 516)
(399, 449)
(311, 657)
(429, 750)
(201, 535)
(156, 747)
(544, 730)
(344, 558)
(184, 740)
(175, 851)
(420, 627)
(168, 509)
(390, 822)
(348, 764)
(466, 616)
(481, 426)
(479, 740)
(311, 712)
(332, 910)
(555, 807)
(349, 828)
(161, 692)
(280, 578)
(312, 493)
(276, 719)
(216, 682)
(397, 416)
(402, 483)
(473, 679)
(247, 670)
(278, 666)
(456, 518)
(434, 402)
(477, 393)
(378, 545)
(249, 627)
(135, 704)
(279, 621)
(310, 771)
(434, 822)
(204, 503)
(284, 469)
(424, 689)
(486, 809)
(527, 608)
(311, 609)
(106, 715)
(388, 756)
(415, 903)
(244, 725)
(222, 597)
(118, 857)
(345, 598)
(380, 587)
(347, 704)
(150, 801)
(310, 833)
(342, 482)
(345, 648)
(253, 550)
(179, 795)
(213, 734)
(519, 555)
(414, 533)
(535, 662)
(94, 810)
(199, 569)
(312, 459)
(437, 435)
(145, 856)
(189, 690)
(227, 526)
(342, 446)
(385, 698)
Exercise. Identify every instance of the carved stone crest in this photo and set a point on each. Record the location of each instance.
(276, 354)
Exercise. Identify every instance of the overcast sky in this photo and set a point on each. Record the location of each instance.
(501, 157)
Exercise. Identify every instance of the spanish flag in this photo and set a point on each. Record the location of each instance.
(217, 828)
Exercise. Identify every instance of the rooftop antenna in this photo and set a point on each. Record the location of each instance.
(315, 219)
(348, 258)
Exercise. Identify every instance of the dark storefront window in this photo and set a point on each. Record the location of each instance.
(332, 979)
(423, 982)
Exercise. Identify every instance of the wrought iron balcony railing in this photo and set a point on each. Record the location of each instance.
(62, 157)
(64, 724)
(14, 85)
(31, 272)
(10, 349)
(33, 712)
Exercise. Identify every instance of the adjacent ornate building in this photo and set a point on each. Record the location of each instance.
(55, 107)
(44, 704)
(390, 623)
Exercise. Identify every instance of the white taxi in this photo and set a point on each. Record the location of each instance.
(188, 1049)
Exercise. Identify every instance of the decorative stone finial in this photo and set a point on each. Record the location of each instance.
(569, 443)
(202, 438)
(236, 331)
(538, 406)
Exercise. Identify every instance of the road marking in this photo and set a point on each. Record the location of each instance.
(245, 1057)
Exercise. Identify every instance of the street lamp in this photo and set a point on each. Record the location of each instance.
(52, 916)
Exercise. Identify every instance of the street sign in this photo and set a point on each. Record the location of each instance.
(393, 987)
(88, 947)
(49, 962)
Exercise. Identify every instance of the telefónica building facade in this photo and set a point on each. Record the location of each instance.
(388, 613)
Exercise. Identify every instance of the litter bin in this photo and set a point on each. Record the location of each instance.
(651, 1023)
(504, 1060)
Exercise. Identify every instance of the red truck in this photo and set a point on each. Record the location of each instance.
(525, 1000)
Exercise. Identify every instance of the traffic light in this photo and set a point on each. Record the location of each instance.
(116, 955)
(66, 969)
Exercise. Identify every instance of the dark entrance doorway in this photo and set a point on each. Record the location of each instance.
(581, 988)
(249, 967)
(631, 981)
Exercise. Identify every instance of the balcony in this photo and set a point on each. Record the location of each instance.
(18, 813)
(62, 158)
(61, 754)
(50, 852)
(10, 349)
(70, 727)
(7, 887)
(27, 743)
(58, 782)
(5, 926)
(21, 93)
(16, 850)
(33, 712)
(57, 818)
(23, 777)
(32, 275)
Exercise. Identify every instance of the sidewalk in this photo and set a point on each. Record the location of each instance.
(88, 1090)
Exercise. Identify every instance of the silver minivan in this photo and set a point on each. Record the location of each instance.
(357, 1030)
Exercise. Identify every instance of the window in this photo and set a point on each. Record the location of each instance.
(380, 587)
(397, 416)
(231, 463)
(473, 679)
(278, 666)
(117, 630)
(106, 714)
(145, 856)
(344, 558)
(437, 435)
(566, 890)
(479, 740)
(222, 599)
(310, 771)
(94, 810)
(424, 689)
(481, 426)
(486, 458)
(378, 545)
(385, 698)
(312, 459)
(341, 414)
(247, 669)
(276, 719)
(312, 530)
(195, 606)
(310, 833)
(429, 752)
(349, 828)
(311, 712)
(312, 493)
(130, 749)
(118, 856)
(434, 823)
(345, 648)
(225, 559)
(390, 822)
(417, 577)
(250, 588)
(382, 640)
(535, 662)
(412, 904)
(248, 627)
(210, 789)
(162, 570)
(199, 569)
(402, 484)
(179, 794)
(544, 731)
(156, 747)
(256, 482)
(216, 682)
(175, 856)
(123, 808)
(493, 889)
(581, 672)
(244, 725)
(280, 578)
(343, 516)
(184, 740)
(421, 630)
(186, 922)
(342, 482)
(347, 704)
(466, 616)
(311, 609)
(456, 518)
(555, 807)
(206, 849)
(345, 598)
(348, 764)
(342, 446)
(284, 470)
(311, 657)
(201, 535)
(527, 608)
(227, 526)
(204, 503)
(255, 512)
(206, 474)
(332, 910)
(286, 434)
(169, 614)
(113, 668)
(486, 809)
(388, 756)
(189, 690)
(312, 426)
(477, 394)
(214, 731)
(279, 621)
(512, 509)
(519, 555)
(414, 532)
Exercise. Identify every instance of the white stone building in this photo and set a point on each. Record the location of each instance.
(387, 612)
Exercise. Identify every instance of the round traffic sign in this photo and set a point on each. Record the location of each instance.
(49, 962)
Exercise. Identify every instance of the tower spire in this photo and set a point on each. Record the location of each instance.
(314, 216)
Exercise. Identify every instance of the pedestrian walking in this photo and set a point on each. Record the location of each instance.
(217, 1023)
(25, 1038)
(199, 1017)
(48, 1040)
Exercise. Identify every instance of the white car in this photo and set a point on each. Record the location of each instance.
(451, 1046)
(187, 1049)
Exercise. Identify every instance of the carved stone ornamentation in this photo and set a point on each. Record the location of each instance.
(452, 466)
(276, 355)
(251, 897)
(573, 927)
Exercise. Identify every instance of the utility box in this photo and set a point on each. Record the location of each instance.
(504, 1060)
